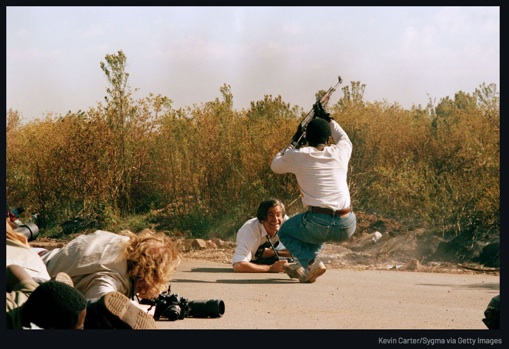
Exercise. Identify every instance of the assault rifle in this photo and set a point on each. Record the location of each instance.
(299, 138)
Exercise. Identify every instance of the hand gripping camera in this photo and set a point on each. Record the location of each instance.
(170, 306)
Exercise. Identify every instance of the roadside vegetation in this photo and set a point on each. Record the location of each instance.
(202, 170)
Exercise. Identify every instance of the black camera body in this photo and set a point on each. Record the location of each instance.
(170, 306)
(258, 257)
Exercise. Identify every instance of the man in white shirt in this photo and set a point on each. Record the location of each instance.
(254, 252)
(321, 172)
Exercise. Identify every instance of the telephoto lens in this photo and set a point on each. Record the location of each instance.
(30, 230)
(211, 308)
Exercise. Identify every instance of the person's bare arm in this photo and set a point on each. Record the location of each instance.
(248, 267)
(14, 274)
(269, 252)
(284, 253)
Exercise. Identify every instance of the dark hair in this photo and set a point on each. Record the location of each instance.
(317, 132)
(261, 214)
(54, 305)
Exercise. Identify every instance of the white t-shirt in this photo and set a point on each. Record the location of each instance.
(321, 174)
(94, 262)
(249, 237)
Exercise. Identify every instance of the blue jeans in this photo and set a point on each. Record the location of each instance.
(305, 233)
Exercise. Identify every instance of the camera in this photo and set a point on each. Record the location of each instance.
(29, 230)
(170, 306)
(258, 257)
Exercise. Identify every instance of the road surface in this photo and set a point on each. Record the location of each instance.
(341, 299)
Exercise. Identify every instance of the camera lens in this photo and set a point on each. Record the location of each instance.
(208, 308)
(29, 230)
(172, 312)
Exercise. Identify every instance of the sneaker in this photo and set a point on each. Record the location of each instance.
(294, 270)
(117, 312)
(313, 271)
(64, 278)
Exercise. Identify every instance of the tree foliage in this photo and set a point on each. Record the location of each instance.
(202, 167)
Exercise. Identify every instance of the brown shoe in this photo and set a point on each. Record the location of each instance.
(116, 311)
(64, 278)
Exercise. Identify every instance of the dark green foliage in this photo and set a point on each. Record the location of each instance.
(490, 255)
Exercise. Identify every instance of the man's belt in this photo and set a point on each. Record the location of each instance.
(330, 211)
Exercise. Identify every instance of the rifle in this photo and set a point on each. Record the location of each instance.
(299, 138)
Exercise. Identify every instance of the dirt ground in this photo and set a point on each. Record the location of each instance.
(377, 244)
(381, 255)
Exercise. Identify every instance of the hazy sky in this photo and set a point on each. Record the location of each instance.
(402, 54)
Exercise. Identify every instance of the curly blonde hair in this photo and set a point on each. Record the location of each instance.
(151, 257)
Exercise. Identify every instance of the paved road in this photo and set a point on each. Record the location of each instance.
(340, 299)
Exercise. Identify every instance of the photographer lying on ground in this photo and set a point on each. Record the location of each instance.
(26, 271)
(253, 253)
(129, 263)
